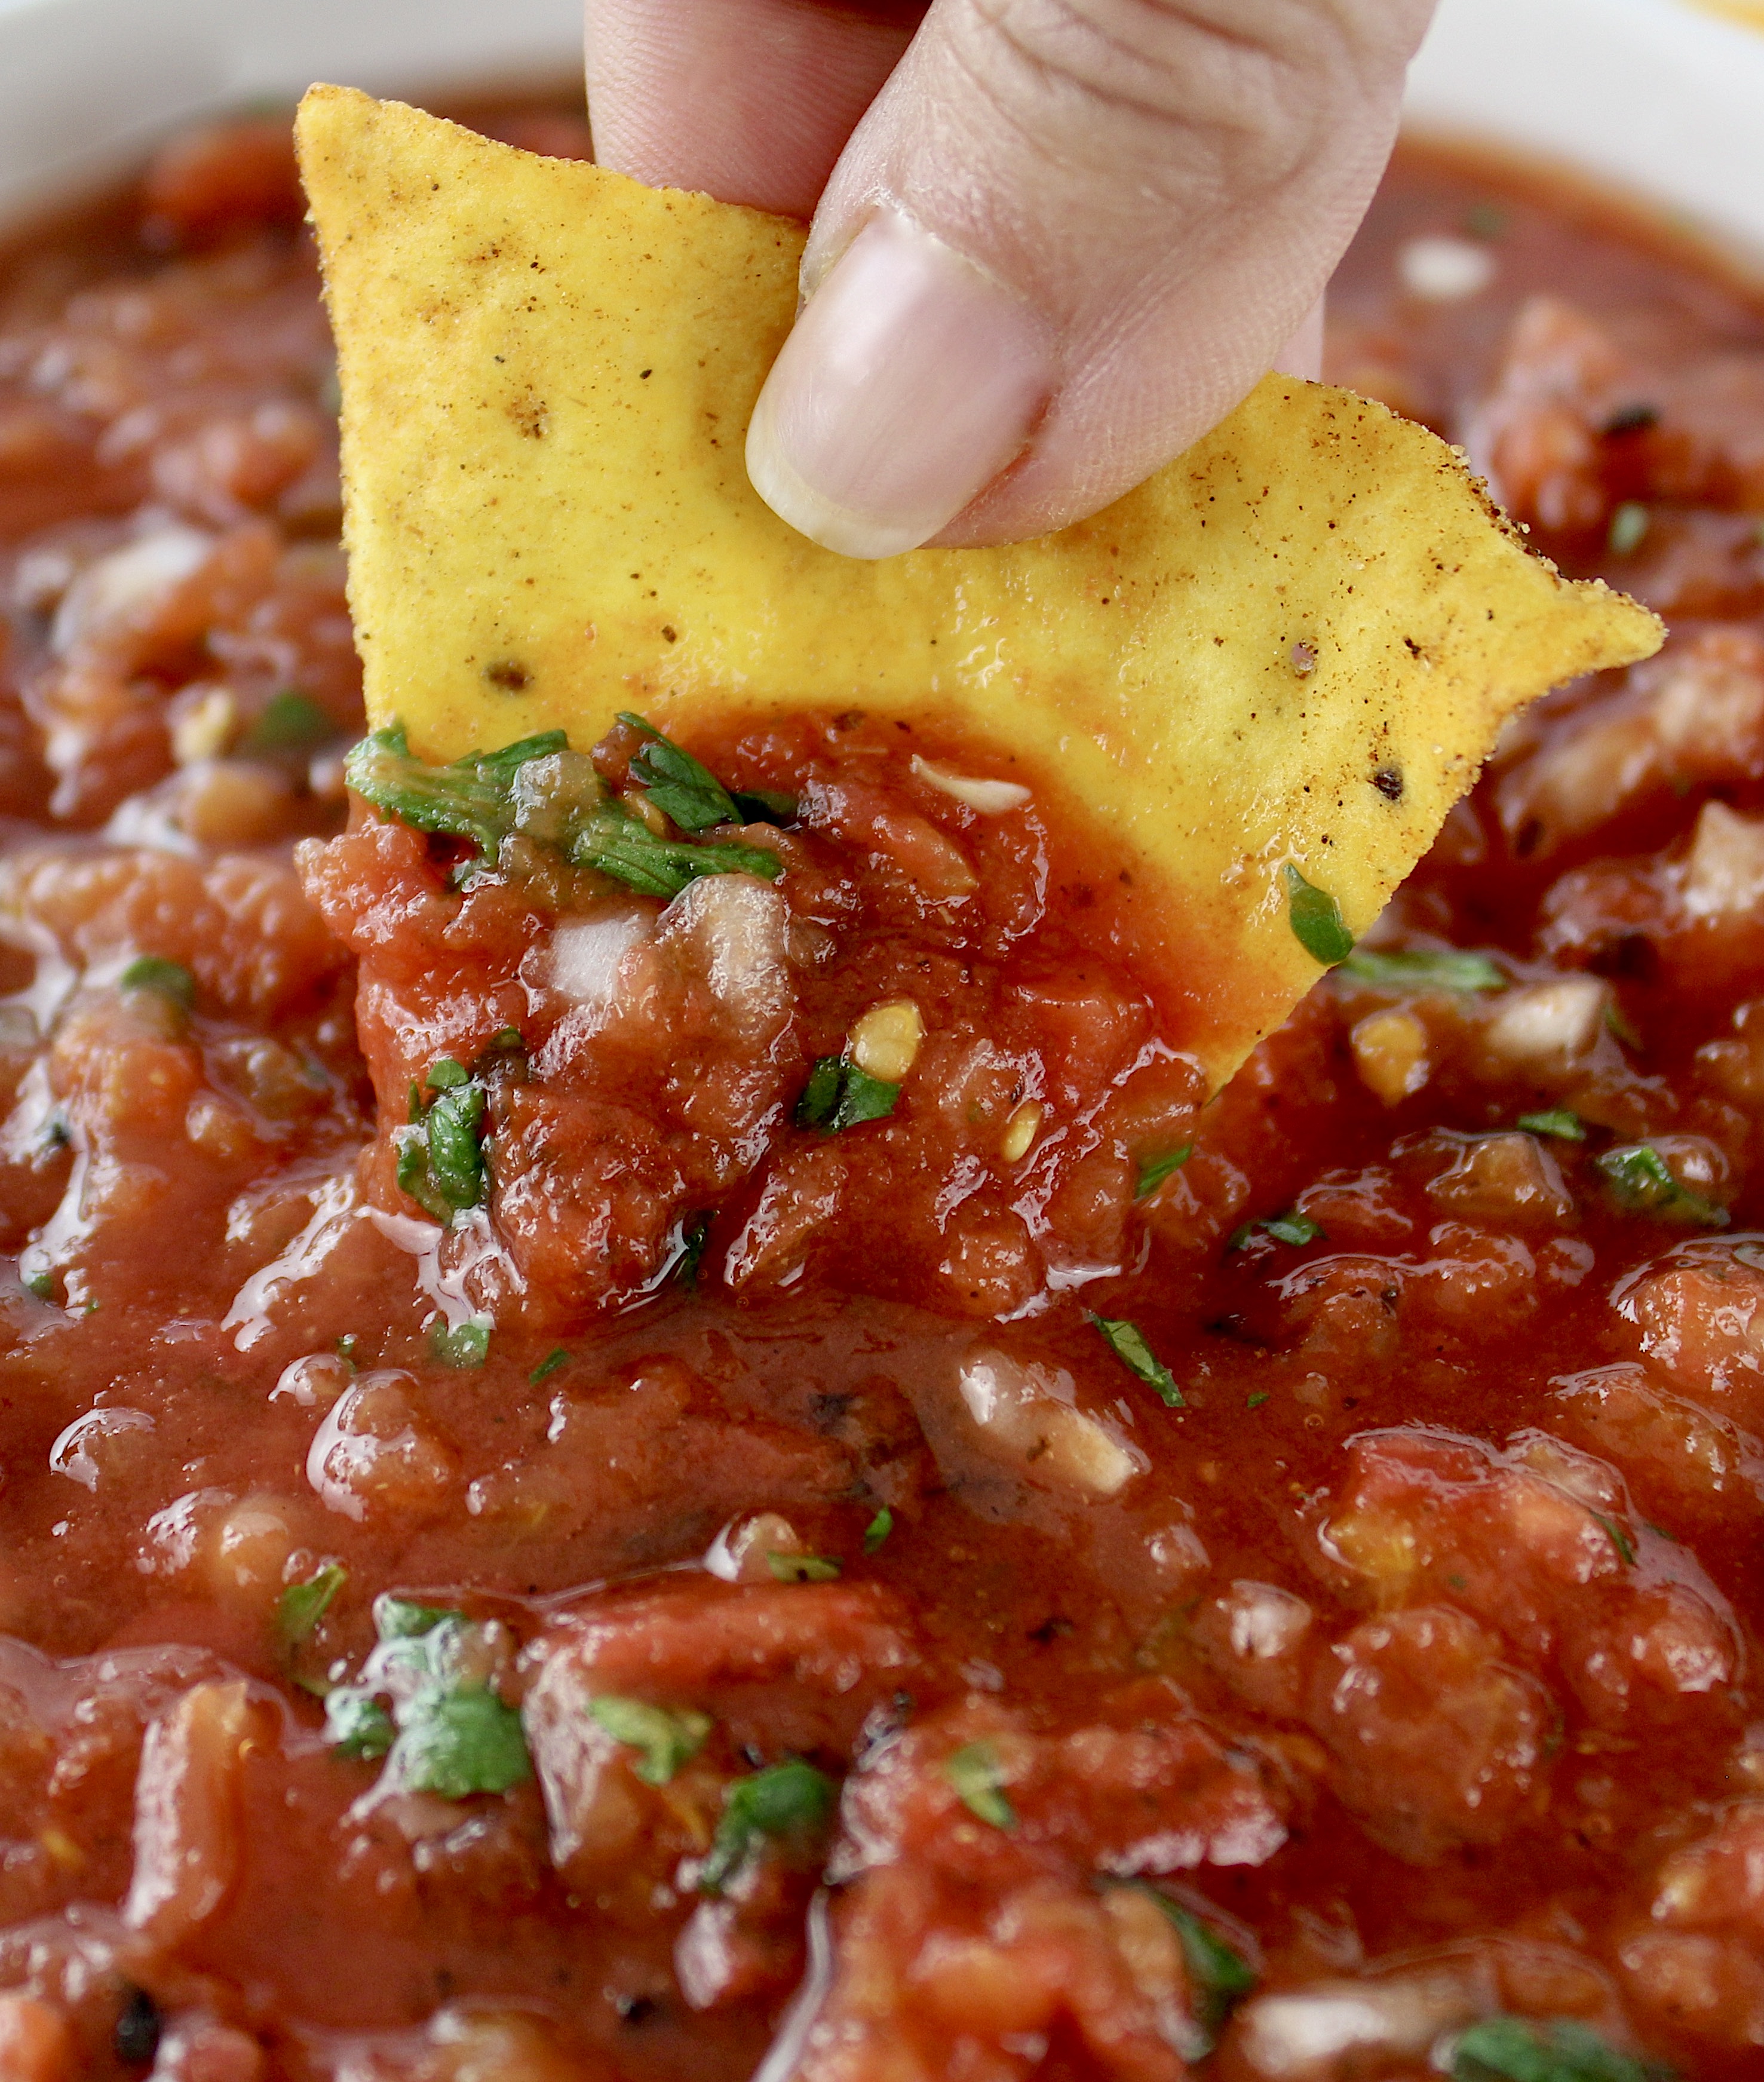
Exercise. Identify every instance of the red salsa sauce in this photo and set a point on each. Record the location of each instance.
(648, 1433)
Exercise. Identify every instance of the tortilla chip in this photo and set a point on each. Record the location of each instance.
(1291, 651)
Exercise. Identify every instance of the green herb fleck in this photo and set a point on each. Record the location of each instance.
(1629, 525)
(291, 722)
(1558, 1121)
(766, 806)
(1154, 1170)
(694, 1234)
(685, 792)
(1292, 1227)
(1510, 2049)
(1618, 1539)
(791, 1800)
(459, 1739)
(1618, 1023)
(301, 1606)
(549, 1365)
(166, 980)
(878, 1529)
(465, 1344)
(1316, 921)
(1219, 1977)
(975, 1773)
(803, 1568)
(1255, 1402)
(441, 1154)
(42, 1284)
(1640, 1179)
(839, 1095)
(668, 1737)
(1127, 1341)
(447, 1731)
(356, 1725)
(481, 798)
(403, 1619)
(1423, 968)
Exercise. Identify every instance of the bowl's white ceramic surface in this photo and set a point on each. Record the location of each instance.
(1666, 97)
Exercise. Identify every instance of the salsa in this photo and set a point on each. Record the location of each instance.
(651, 1430)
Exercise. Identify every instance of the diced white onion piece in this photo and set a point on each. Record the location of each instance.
(1549, 1022)
(586, 954)
(1303, 2036)
(1724, 875)
(1445, 271)
(1263, 1622)
(1027, 1413)
(991, 798)
(118, 588)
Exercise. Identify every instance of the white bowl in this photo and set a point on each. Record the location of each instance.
(1663, 97)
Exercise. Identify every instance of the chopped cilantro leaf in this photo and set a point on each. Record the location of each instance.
(447, 1731)
(1423, 968)
(694, 1234)
(839, 1095)
(1640, 1178)
(1292, 1227)
(1126, 1341)
(1510, 2049)
(403, 1619)
(1154, 1170)
(1220, 1976)
(440, 1161)
(1255, 1402)
(357, 1725)
(785, 1800)
(549, 1365)
(301, 1606)
(613, 842)
(41, 1284)
(290, 722)
(1618, 1539)
(1557, 1121)
(465, 1344)
(766, 806)
(668, 1737)
(166, 980)
(481, 798)
(687, 793)
(1316, 921)
(975, 1773)
(456, 1739)
(803, 1568)
(878, 1529)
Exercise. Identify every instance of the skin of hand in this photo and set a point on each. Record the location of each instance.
(1053, 241)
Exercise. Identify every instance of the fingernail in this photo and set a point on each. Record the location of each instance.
(911, 380)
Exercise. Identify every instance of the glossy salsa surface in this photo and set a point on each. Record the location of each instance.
(619, 1479)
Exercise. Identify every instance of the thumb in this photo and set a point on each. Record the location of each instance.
(1067, 237)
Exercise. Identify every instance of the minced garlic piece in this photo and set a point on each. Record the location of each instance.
(885, 1042)
(990, 798)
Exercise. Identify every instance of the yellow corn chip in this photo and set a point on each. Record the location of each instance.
(1284, 657)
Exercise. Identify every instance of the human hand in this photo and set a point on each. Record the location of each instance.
(1053, 241)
